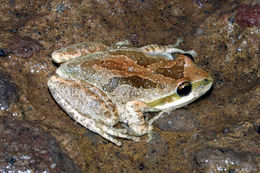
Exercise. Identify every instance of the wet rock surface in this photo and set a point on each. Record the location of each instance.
(8, 91)
(221, 126)
(23, 46)
(178, 121)
(24, 147)
(223, 160)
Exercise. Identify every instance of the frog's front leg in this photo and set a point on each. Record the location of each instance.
(89, 106)
(134, 117)
(138, 125)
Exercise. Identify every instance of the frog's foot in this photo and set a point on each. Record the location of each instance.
(150, 136)
(106, 132)
(102, 133)
(125, 43)
(77, 50)
(121, 133)
(148, 130)
(166, 51)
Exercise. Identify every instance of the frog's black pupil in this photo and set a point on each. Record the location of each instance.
(184, 89)
(189, 56)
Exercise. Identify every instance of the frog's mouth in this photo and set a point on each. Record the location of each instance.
(179, 99)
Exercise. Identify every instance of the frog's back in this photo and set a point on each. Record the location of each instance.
(108, 64)
(122, 70)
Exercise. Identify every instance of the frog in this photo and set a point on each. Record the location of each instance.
(113, 90)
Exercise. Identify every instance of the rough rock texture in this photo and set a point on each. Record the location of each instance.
(24, 147)
(178, 121)
(222, 125)
(8, 91)
(217, 160)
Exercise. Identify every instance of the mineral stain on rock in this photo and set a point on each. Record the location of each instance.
(248, 15)
(23, 47)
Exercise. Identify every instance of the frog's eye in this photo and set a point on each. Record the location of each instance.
(189, 56)
(184, 89)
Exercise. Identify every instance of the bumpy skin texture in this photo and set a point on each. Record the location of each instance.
(100, 86)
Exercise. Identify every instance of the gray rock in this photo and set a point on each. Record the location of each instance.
(219, 160)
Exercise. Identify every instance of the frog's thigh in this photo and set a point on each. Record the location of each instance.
(87, 100)
(74, 51)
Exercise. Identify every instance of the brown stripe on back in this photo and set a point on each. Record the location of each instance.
(127, 71)
(124, 68)
(134, 81)
(120, 65)
(138, 57)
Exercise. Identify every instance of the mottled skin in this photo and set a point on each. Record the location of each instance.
(100, 86)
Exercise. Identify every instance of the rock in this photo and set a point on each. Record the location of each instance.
(248, 15)
(219, 160)
(24, 147)
(23, 47)
(178, 121)
(8, 91)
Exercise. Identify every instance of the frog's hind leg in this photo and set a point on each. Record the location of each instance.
(165, 51)
(88, 106)
(77, 50)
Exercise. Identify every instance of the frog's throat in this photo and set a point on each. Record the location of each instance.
(175, 101)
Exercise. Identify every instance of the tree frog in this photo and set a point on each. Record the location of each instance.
(100, 86)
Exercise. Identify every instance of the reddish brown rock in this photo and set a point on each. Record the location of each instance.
(248, 15)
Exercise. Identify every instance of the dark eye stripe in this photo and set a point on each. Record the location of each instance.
(189, 56)
(175, 72)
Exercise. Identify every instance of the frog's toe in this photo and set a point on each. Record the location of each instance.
(125, 136)
(113, 130)
(110, 138)
(150, 137)
(137, 139)
(104, 134)
(124, 131)
(121, 133)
